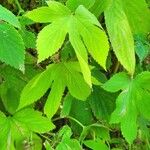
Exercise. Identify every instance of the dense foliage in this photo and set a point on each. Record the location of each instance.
(74, 74)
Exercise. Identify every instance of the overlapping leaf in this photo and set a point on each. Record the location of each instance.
(131, 102)
(20, 126)
(84, 30)
(56, 76)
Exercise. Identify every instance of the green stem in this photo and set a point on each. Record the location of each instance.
(116, 67)
(71, 118)
(147, 142)
(19, 7)
(75, 120)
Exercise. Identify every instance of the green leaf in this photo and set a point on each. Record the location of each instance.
(50, 40)
(28, 37)
(66, 106)
(45, 14)
(86, 17)
(54, 99)
(80, 51)
(144, 103)
(67, 143)
(73, 4)
(74, 85)
(126, 113)
(96, 145)
(122, 38)
(9, 17)
(34, 120)
(11, 47)
(72, 144)
(138, 15)
(9, 92)
(36, 88)
(20, 126)
(143, 80)
(117, 82)
(129, 126)
(99, 7)
(102, 103)
(62, 74)
(141, 47)
(130, 103)
(94, 38)
(83, 115)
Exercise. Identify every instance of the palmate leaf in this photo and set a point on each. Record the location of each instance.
(131, 102)
(120, 35)
(51, 38)
(20, 126)
(56, 76)
(12, 48)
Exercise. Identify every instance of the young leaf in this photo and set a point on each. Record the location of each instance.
(117, 82)
(120, 35)
(49, 40)
(12, 48)
(52, 13)
(9, 17)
